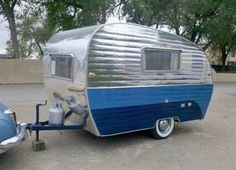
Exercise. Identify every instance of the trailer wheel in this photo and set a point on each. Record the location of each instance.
(163, 128)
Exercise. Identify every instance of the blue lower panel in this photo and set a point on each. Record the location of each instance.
(118, 110)
(117, 120)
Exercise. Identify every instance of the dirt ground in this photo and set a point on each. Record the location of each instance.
(206, 144)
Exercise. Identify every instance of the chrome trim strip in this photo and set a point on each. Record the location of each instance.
(147, 86)
(125, 132)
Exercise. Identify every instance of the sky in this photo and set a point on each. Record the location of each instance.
(4, 35)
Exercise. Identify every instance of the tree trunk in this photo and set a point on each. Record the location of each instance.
(207, 45)
(104, 15)
(193, 36)
(12, 26)
(194, 33)
(223, 57)
(177, 30)
(40, 49)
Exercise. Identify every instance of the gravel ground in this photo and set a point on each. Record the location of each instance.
(207, 144)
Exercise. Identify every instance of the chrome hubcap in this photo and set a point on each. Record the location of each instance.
(164, 125)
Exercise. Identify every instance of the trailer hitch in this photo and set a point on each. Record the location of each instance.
(37, 117)
(38, 144)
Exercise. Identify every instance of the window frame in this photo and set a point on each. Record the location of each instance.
(71, 69)
(143, 60)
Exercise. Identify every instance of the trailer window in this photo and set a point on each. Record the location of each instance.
(61, 66)
(160, 60)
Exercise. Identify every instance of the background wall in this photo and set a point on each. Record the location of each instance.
(20, 71)
(31, 71)
(224, 77)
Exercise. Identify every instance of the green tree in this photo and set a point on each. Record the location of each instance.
(40, 19)
(209, 23)
(71, 14)
(190, 19)
(148, 12)
(34, 32)
(187, 18)
(7, 10)
(222, 31)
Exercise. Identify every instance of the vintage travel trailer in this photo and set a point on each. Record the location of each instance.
(125, 77)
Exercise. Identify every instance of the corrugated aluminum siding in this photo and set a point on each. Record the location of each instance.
(115, 57)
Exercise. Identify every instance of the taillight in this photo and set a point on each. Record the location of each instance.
(11, 114)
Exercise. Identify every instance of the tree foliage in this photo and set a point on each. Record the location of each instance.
(148, 13)
(40, 19)
(7, 10)
(32, 30)
(209, 23)
(72, 14)
(33, 33)
(187, 18)
(222, 31)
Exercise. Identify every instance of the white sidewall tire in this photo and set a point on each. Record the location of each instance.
(166, 134)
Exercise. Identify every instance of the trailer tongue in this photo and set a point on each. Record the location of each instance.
(50, 125)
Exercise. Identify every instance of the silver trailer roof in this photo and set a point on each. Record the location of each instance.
(113, 52)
